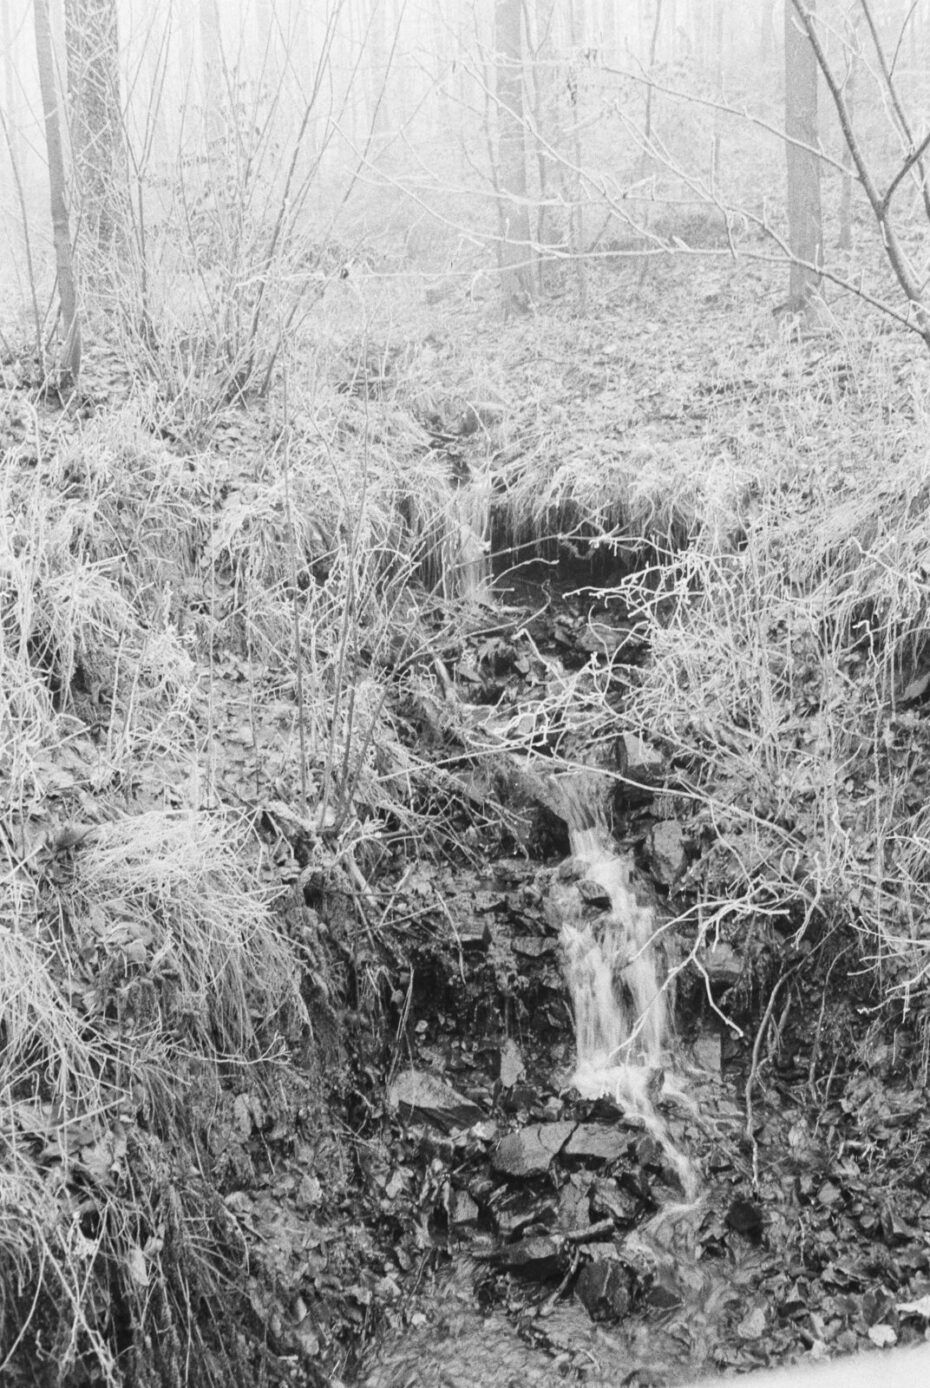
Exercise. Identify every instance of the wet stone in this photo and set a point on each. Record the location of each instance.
(706, 1051)
(539, 1257)
(610, 1200)
(664, 1294)
(533, 947)
(530, 1151)
(668, 852)
(463, 1212)
(603, 1288)
(721, 964)
(593, 894)
(515, 1214)
(512, 1068)
(639, 762)
(594, 1143)
(426, 1098)
(574, 1205)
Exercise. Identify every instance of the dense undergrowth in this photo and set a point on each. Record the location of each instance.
(237, 644)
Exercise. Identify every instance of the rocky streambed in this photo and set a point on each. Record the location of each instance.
(527, 1234)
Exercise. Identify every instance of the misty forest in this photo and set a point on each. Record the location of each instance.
(464, 691)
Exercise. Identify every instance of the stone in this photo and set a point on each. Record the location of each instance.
(517, 1212)
(463, 1212)
(706, 1052)
(539, 1257)
(594, 1143)
(616, 1202)
(593, 893)
(530, 1151)
(424, 1097)
(664, 1294)
(603, 1288)
(721, 963)
(532, 947)
(575, 1204)
(512, 1068)
(638, 763)
(668, 852)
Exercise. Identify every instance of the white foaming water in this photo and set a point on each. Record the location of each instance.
(619, 1002)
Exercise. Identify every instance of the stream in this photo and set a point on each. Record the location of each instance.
(624, 1076)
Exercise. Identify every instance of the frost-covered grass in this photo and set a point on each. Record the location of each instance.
(788, 670)
(246, 615)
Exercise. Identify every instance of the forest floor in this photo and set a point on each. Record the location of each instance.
(292, 922)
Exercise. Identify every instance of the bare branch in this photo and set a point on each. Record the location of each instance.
(913, 158)
(897, 107)
(897, 259)
(725, 108)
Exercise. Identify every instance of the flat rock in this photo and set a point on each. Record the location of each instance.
(603, 1288)
(539, 1256)
(706, 1051)
(593, 893)
(613, 1201)
(575, 1204)
(427, 1098)
(532, 946)
(512, 1068)
(463, 1212)
(638, 762)
(668, 852)
(595, 1143)
(530, 1151)
(721, 963)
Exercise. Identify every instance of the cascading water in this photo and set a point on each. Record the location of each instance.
(619, 1001)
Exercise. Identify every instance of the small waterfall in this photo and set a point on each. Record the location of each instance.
(619, 1000)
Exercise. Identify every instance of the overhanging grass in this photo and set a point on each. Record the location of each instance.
(782, 686)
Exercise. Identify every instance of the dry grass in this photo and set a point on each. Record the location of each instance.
(782, 681)
(147, 593)
(134, 965)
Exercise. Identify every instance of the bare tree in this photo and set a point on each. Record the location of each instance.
(213, 77)
(70, 360)
(95, 119)
(909, 277)
(516, 270)
(548, 132)
(805, 222)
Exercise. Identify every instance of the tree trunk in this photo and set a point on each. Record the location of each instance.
(515, 257)
(546, 85)
(650, 68)
(766, 33)
(805, 224)
(96, 125)
(377, 62)
(70, 363)
(212, 77)
(849, 171)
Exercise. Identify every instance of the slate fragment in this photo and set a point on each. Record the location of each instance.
(613, 1201)
(593, 893)
(595, 1143)
(539, 1256)
(428, 1099)
(603, 1288)
(518, 1211)
(664, 1294)
(530, 1151)
(639, 763)
(512, 1067)
(463, 1212)
(745, 1217)
(574, 1204)
(668, 852)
